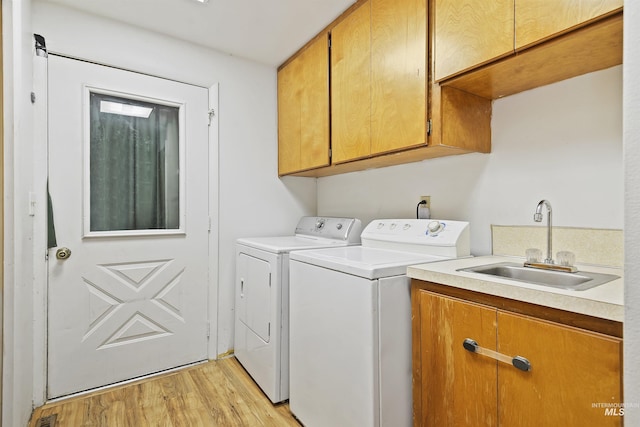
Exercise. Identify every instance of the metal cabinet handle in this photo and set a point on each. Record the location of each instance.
(241, 287)
(517, 361)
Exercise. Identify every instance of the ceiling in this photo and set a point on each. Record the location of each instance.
(266, 31)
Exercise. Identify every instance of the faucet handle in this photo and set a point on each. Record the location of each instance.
(534, 255)
(566, 258)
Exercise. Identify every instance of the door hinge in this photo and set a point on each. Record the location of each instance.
(212, 114)
(429, 126)
(41, 45)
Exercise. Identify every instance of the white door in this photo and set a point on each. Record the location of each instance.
(128, 180)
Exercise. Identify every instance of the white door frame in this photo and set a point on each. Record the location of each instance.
(38, 209)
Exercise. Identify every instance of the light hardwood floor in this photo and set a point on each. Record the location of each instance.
(217, 393)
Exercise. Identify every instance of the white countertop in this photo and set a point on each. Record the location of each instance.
(604, 301)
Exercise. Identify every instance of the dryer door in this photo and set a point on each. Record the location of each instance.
(254, 298)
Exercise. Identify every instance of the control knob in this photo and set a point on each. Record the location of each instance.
(435, 227)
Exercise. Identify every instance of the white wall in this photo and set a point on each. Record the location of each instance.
(561, 142)
(632, 210)
(252, 200)
(17, 380)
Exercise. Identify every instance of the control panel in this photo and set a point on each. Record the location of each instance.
(347, 229)
(436, 236)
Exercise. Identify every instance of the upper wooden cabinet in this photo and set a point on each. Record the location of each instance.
(398, 74)
(303, 110)
(378, 79)
(351, 86)
(471, 33)
(385, 108)
(538, 20)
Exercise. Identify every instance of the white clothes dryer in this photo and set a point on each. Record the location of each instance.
(262, 296)
(350, 322)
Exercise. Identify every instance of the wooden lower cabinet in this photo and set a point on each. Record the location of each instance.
(573, 372)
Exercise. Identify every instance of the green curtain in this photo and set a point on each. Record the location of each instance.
(130, 171)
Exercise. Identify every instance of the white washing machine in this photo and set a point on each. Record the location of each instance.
(262, 296)
(350, 322)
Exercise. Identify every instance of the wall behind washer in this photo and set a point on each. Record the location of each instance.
(561, 142)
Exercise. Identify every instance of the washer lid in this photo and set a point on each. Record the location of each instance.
(284, 244)
(370, 263)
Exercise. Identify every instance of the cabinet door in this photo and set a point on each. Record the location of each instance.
(572, 371)
(303, 110)
(540, 19)
(314, 138)
(471, 32)
(398, 74)
(458, 387)
(351, 86)
(289, 124)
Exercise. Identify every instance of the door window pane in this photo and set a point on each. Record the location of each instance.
(134, 170)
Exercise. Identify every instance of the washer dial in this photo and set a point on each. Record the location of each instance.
(435, 227)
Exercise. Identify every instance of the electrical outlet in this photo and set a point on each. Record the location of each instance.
(427, 199)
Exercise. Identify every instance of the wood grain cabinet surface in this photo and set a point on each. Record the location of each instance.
(574, 373)
(351, 86)
(472, 33)
(537, 20)
(303, 110)
(385, 108)
(378, 79)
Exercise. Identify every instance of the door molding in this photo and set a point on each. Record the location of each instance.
(38, 210)
(214, 216)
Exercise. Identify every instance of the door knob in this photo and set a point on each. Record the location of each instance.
(63, 253)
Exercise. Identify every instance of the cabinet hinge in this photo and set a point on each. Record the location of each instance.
(208, 329)
(269, 330)
(269, 279)
(330, 153)
(429, 126)
(212, 114)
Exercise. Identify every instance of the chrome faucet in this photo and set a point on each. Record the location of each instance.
(537, 217)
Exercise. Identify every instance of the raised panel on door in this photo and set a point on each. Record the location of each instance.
(572, 371)
(351, 86)
(541, 19)
(471, 32)
(314, 138)
(255, 295)
(289, 117)
(398, 74)
(458, 387)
